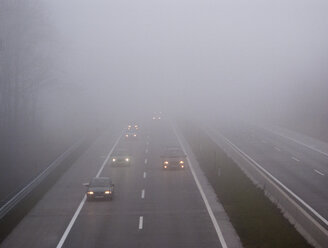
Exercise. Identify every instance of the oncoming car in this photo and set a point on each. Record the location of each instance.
(100, 188)
(120, 158)
(173, 158)
(130, 135)
(157, 116)
(133, 127)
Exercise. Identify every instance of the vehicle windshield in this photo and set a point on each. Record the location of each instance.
(174, 151)
(121, 153)
(99, 182)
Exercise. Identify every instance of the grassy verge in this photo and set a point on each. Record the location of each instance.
(258, 222)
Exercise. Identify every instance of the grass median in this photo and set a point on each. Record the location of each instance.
(258, 222)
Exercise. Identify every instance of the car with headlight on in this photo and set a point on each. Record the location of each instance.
(120, 158)
(100, 188)
(133, 127)
(157, 116)
(173, 158)
(131, 135)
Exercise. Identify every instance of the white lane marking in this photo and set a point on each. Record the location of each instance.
(267, 173)
(278, 149)
(296, 159)
(319, 172)
(146, 161)
(146, 151)
(208, 207)
(143, 194)
(71, 223)
(296, 141)
(144, 175)
(78, 210)
(140, 222)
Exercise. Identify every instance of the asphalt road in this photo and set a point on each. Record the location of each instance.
(151, 207)
(303, 170)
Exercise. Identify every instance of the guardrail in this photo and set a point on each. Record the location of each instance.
(8, 215)
(312, 227)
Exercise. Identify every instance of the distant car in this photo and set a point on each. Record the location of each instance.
(100, 188)
(173, 158)
(121, 158)
(131, 135)
(157, 116)
(133, 127)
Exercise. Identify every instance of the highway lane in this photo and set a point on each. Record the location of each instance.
(295, 166)
(151, 208)
(45, 223)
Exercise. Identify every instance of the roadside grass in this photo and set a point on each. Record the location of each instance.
(258, 222)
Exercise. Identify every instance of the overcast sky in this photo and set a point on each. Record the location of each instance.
(194, 54)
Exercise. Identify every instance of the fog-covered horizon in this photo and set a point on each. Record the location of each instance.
(195, 55)
(90, 60)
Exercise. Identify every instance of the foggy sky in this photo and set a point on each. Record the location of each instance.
(193, 56)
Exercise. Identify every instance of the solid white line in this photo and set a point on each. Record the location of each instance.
(71, 223)
(146, 161)
(143, 194)
(296, 159)
(140, 222)
(108, 156)
(208, 207)
(144, 175)
(319, 172)
(296, 141)
(253, 162)
(40, 175)
(278, 149)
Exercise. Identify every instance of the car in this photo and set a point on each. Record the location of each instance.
(121, 157)
(157, 116)
(131, 135)
(173, 158)
(100, 188)
(133, 127)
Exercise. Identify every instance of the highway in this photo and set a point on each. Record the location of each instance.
(298, 167)
(151, 207)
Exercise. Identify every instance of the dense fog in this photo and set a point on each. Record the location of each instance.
(70, 66)
(253, 57)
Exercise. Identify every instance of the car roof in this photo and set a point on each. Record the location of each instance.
(101, 179)
(173, 151)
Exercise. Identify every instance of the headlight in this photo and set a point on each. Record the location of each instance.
(166, 162)
(182, 166)
(126, 135)
(134, 135)
(90, 193)
(181, 162)
(165, 166)
(107, 192)
(154, 118)
(114, 159)
(127, 159)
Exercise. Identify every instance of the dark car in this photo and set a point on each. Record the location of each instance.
(121, 158)
(100, 188)
(173, 158)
